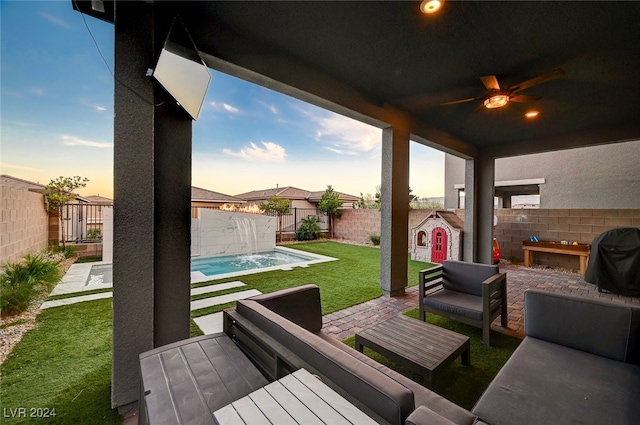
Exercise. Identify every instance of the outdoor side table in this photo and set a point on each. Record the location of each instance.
(421, 347)
(299, 398)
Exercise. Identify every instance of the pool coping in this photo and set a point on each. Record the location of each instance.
(76, 277)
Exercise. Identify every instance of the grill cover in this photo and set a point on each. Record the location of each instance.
(614, 261)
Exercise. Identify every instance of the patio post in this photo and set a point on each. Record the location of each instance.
(152, 191)
(394, 191)
(478, 209)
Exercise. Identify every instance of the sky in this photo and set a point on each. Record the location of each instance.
(56, 119)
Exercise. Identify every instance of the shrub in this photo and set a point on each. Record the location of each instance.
(309, 229)
(93, 234)
(375, 239)
(22, 282)
(67, 251)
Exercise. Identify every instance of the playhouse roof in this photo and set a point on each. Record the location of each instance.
(449, 217)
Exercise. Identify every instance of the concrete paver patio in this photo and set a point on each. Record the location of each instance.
(344, 323)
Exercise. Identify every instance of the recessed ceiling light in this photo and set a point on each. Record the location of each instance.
(431, 6)
(531, 114)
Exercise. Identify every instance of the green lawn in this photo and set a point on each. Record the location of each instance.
(463, 385)
(65, 362)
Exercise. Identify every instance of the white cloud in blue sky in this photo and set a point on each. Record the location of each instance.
(57, 119)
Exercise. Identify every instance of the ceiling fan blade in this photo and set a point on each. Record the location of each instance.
(557, 73)
(490, 82)
(523, 98)
(470, 99)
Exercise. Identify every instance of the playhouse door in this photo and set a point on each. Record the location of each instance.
(438, 245)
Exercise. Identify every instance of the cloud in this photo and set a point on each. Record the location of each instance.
(4, 165)
(54, 20)
(347, 136)
(39, 91)
(76, 141)
(270, 106)
(224, 107)
(272, 152)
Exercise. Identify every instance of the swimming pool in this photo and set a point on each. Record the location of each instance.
(208, 268)
(211, 266)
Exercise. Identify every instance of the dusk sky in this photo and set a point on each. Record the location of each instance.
(57, 119)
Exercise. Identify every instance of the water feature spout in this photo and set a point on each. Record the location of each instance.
(245, 229)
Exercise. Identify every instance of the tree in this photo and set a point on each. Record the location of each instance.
(279, 206)
(59, 192)
(330, 204)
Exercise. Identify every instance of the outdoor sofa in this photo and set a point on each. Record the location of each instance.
(579, 363)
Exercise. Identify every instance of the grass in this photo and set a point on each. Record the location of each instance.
(354, 279)
(463, 385)
(65, 362)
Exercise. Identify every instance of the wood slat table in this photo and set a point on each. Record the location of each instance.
(299, 398)
(420, 346)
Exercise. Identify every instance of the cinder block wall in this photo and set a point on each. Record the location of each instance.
(359, 224)
(24, 226)
(579, 225)
(514, 226)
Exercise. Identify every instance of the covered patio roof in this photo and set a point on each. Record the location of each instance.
(384, 63)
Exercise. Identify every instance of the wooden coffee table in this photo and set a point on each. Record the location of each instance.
(420, 346)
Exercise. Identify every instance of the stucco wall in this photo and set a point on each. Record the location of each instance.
(24, 227)
(597, 177)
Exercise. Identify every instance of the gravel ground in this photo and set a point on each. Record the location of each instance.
(11, 334)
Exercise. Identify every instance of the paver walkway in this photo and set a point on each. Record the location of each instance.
(344, 323)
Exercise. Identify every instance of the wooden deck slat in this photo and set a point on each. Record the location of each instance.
(317, 405)
(228, 416)
(335, 400)
(292, 404)
(271, 408)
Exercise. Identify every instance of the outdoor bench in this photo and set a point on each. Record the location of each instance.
(581, 250)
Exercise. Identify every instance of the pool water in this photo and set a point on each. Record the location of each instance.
(226, 265)
(100, 275)
(211, 266)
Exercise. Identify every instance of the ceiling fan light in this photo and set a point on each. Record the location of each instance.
(430, 6)
(497, 101)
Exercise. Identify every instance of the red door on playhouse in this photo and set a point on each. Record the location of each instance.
(438, 245)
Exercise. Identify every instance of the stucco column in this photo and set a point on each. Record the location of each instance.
(479, 190)
(394, 210)
(152, 186)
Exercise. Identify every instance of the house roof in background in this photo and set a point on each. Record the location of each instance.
(204, 195)
(293, 193)
(100, 200)
(344, 197)
(287, 192)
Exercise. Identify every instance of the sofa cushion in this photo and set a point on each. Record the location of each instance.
(300, 304)
(458, 303)
(595, 326)
(462, 276)
(425, 416)
(546, 383)
(422, 396)
(390, 400)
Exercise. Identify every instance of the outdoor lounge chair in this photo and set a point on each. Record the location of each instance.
(470, 293)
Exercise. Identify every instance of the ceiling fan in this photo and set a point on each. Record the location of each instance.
(497, 97)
